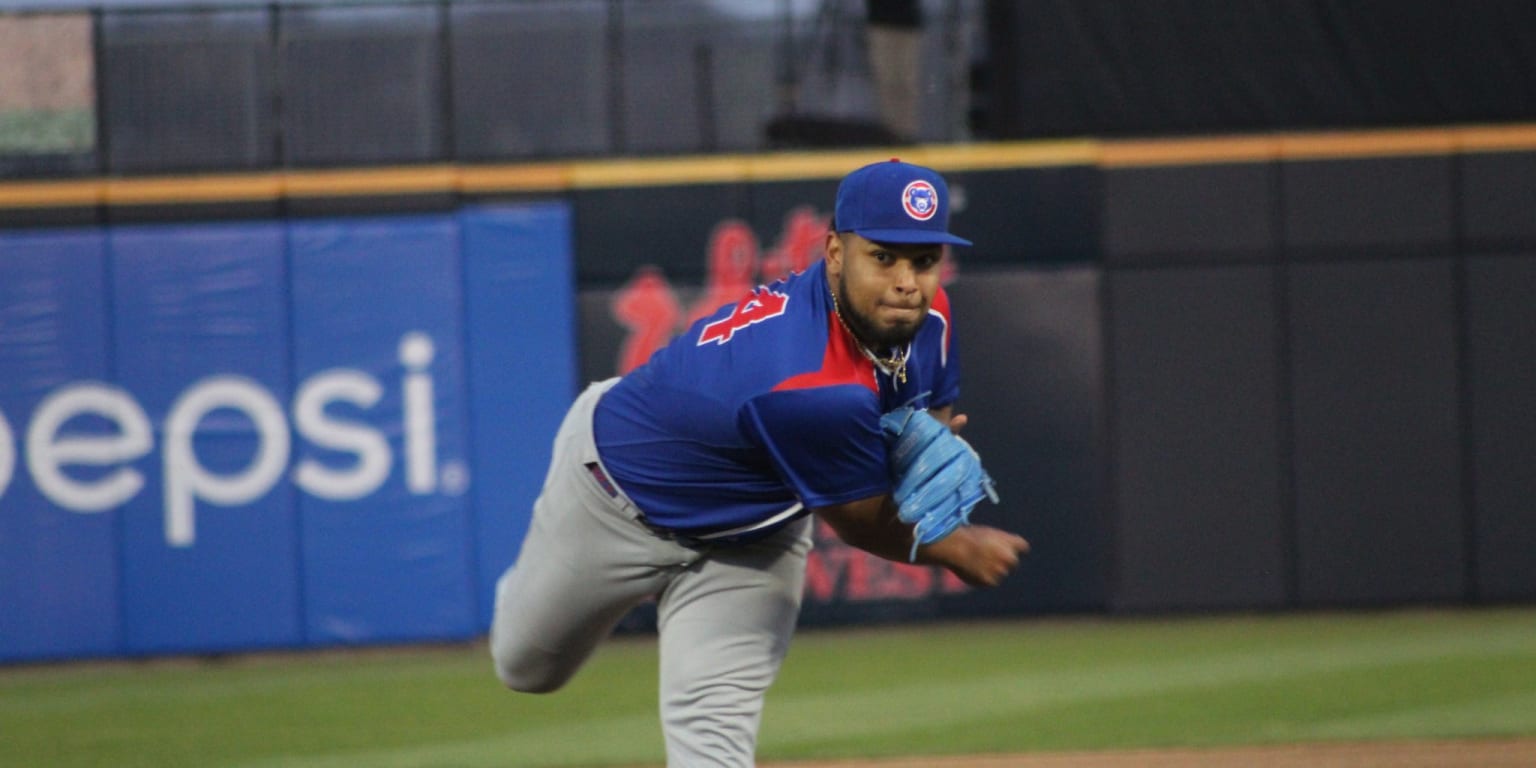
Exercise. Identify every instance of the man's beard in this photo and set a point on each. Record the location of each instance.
(865, 329)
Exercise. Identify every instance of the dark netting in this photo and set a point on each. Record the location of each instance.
(361, 85)
(1101, 67)
(531, 79)
(697, 78)
(187, 90)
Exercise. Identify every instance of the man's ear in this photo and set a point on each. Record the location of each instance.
(834, 254)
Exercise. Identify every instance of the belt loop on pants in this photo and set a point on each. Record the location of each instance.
(603, 481)
(612, 489)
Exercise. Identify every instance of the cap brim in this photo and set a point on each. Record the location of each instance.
(910, 236)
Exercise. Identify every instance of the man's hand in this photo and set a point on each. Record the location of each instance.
(948, 417)
(979, 555)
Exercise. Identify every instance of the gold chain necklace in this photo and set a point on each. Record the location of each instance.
(895, 365)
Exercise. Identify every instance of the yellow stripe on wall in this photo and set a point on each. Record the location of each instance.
(371, 182)
(1360, 144)
(50, 194)
(990, 157)
(659, 172)
(235, 188)
(1508, 138)
(559, 177)
(1189, 151)
(514, 178)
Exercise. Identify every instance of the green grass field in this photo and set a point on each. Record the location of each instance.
(992, 687)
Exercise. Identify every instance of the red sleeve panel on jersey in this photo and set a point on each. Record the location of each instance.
(842, 363)
(945, 379)
(821, 428)
(940, 307)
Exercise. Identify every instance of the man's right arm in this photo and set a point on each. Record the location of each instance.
(980, 555)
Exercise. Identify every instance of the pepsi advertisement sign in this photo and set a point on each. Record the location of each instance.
(232, 436)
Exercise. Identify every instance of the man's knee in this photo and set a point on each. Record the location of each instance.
(529, 672)
(525, 682)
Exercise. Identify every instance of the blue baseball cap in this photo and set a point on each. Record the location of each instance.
(895, 202)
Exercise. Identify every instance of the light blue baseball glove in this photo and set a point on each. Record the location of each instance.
(939, 479)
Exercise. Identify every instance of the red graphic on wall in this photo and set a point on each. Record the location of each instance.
(650, 311)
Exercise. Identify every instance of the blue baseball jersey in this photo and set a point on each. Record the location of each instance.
(764, 410)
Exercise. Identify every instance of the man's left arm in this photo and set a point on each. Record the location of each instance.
(979, 555)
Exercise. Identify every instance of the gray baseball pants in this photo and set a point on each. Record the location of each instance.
(725, 614)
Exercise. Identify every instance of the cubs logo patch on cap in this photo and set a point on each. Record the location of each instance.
(920, 200)
(895, 202)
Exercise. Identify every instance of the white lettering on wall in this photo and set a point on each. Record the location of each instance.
(312, 423)
(48, 453)
(7, 454)
(50, 448)
(186, 479)
(416, 353)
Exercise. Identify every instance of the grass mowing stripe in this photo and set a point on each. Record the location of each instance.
(816, 724)
(181, 713)
(1016, 686)
(1507, 715)
(925, 702)
(1298, 708)
(595, 741)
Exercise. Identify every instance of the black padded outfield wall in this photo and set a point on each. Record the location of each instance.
(1501, 345)
(1375, 410)
(1375, 406)
(1200, 516)
(1318, 366)
(1497, 193)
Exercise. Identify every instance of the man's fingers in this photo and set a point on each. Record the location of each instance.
(958, 423)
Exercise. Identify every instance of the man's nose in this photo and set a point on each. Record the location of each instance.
(904, 276)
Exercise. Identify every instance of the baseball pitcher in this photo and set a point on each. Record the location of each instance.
(693, 478)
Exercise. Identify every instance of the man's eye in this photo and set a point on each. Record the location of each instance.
(884, 257)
